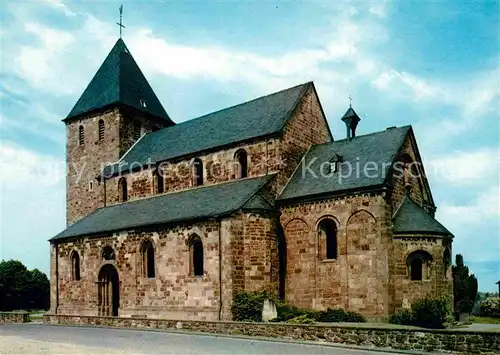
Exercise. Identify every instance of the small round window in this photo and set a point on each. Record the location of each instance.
(108, 253)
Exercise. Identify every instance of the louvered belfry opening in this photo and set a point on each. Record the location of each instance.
(101, 130)
(81, 135)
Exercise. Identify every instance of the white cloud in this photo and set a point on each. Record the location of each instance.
(455, 107)
(476, 225)
(224, 64)
(22, 167)
(59, 6)
(407, 85)
(484, 207)
(379, 8)
(32, 204)
(41, 64)
(474, 96)
(465, 168)
(50, 65)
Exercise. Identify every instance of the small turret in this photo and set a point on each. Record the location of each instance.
(351, 120)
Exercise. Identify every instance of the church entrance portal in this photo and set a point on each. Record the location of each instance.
(109, 291)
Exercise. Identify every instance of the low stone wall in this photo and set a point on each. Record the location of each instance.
(14, 317)
(450, 341)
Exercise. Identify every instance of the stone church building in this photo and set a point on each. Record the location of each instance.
(169, 220)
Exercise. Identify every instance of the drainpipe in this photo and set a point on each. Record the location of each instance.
(316, 257)
(57, 278)
(347, 271)
(267, 157)
(104, 190)
(220, 270)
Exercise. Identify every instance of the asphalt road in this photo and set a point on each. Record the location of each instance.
(46, 339)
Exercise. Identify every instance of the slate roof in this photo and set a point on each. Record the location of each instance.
(350, 113)
(260, 117)
(379, 147)
(411, 218)
(194, 204)
(119, 81)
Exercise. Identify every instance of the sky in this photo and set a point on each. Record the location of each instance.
(434, 65)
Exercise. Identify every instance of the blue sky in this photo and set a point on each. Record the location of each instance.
(434, 65)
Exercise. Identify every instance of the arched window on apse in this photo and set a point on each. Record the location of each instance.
(327, 232)
(148, 259)
(418, 264)
(75, 266)
(196, 256)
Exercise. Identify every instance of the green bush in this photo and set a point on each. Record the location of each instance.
(334, 315)
(354, 317)
(490, 307)
(427, 313)
(303, 319)
(403, 317)
(287, 311)
(330, 315)
(247, 306)
(431, 313)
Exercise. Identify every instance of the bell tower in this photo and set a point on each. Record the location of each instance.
(115, 110)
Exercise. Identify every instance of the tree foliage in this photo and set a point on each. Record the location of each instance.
(21, 288)
(427, 313)
(464, 287)
(490, 307)
(431, 313)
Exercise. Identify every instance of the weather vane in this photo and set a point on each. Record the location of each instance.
(120, 23)
(350, 100)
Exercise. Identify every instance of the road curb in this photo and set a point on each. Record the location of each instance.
(256, 338)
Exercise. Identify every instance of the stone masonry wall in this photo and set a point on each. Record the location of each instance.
(218, 167)
(172, 293)
(260, 253)
(84, 162)
(418, 192)
(14, 317)
(308, 126)
(358, 279)
(422, 340)
(130, 117)
(242, 247)
(437, 281)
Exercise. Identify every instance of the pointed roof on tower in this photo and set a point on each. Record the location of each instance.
(119, 80)
(350, 113)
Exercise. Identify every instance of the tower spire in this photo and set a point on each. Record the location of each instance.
(120, 23)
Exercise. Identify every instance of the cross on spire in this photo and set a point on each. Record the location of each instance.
(350, 100)
(120, 23)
